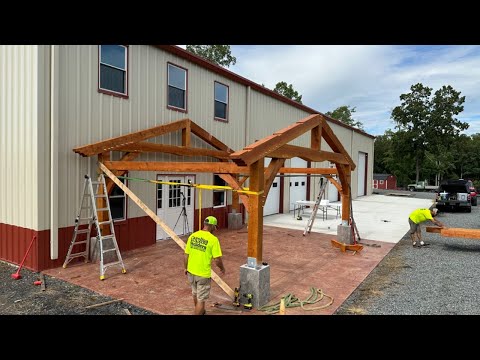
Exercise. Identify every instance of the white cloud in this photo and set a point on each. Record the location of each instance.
(370, 78)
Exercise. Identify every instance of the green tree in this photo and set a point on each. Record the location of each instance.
(430, 123)
(288, 91)
(344, 114)
(382, 150)
(219, 54)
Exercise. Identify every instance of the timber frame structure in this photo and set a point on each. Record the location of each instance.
(234, 167)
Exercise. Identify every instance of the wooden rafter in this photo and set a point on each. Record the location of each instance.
(209, 138)
(171, 149)
(261, 148)
(114, 143)
(334, 143)
(270, 173)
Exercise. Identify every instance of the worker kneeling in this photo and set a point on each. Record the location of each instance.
(416, 218)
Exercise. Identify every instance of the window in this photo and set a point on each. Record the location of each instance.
(218, 195)
(381, 182)
(118, 204)
(177, 87)
(113, 69)
(221, 101)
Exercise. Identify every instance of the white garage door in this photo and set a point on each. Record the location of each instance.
(298, 184)
(361, 167)
(332, 192)
(175, 205)
(272, 204)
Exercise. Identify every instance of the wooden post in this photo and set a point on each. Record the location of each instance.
(344, 173)
(102, 202)
(255, 218)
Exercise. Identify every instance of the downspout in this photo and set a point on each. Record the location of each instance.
(54, 95)
(247, 116)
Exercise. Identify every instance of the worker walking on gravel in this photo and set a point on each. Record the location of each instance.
(416, 218)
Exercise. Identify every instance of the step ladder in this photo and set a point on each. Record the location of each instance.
(88, 214)
(323, 185)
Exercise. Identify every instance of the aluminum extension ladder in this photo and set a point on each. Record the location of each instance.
(323, 185)
(88, 214)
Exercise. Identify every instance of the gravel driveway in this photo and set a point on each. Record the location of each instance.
(441, 278)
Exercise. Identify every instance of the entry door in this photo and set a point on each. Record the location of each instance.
(175, 205)
(362, 171)
(298, 184)
(272, 204)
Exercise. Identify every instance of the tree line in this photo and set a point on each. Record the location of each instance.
(427, 140)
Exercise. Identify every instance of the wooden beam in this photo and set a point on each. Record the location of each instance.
(456, 232)
(186, 132)
(320, 171)
(261, 148)
(172, 149)
(164, 226)
(209, 138)
(231, 181)
(334, 143)
(208, 167)
(114, 143)
(270, 173)
(316, 137)
(290, 151)
(255, 216)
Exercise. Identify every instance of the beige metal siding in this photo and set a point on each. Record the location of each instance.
(19, 178)
(87, 116)
(269, 115)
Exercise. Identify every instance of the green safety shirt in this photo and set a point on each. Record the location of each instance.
(201, 247)
(420, 215)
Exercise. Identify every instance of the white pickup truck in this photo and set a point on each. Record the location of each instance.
(422, 186)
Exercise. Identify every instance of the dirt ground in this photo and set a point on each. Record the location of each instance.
(22, 297)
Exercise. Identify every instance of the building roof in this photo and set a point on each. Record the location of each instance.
(244, 81)
(381, 176)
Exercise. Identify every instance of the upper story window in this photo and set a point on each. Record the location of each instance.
(177, 87)
(221, 101)
(113, 69)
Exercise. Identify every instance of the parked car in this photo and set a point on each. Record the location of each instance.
(454, 194)
(473, 192)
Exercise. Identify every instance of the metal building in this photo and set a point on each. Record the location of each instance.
(54, 98)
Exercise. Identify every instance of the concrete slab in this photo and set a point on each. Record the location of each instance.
(378, 217)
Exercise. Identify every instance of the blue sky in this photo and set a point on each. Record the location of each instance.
(370, 78)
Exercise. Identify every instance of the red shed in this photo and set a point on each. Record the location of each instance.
(384, 181)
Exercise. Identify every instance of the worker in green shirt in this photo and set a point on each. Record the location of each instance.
(416, 218)
(201, 247)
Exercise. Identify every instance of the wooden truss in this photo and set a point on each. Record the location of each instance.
(234, 167)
